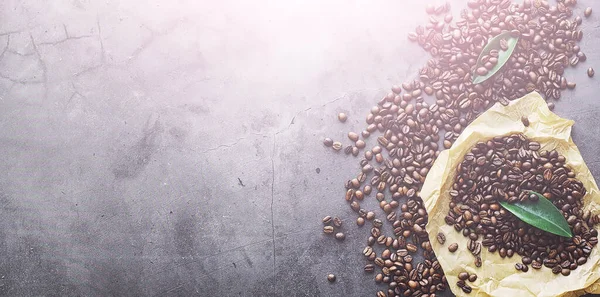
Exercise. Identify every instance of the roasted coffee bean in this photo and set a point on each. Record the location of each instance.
(590, 72)
(337, 222)
(587, 12)
(327, 220)
(466, 288)
(525, 121)
(369, 268)
(328, 229)
(340, 236)
(342, 117)
(360, 221)
(478, 262)
(453, 247)
(441, 238)
(473, 277)
(327, 142)
(331, 278)
(463, 276)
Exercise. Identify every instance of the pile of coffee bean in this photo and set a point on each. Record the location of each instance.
(506, 169)
(410, 131)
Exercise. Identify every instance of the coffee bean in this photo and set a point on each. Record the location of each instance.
(326, 220)
(587, 12)
(453, 247)
(590, 72)
(331, 278)
(369, 268)
(337, 222)
(340, 236)
(360, 221)
(328, 229)
(441, 238)
(352, 136)
(478, 262)
(337, 145)
(473, 277)
(525, 121)
(342, 117)
(463, 276)
(327, 142)
(466, 288)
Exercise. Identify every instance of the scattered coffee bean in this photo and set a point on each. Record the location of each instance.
(327, 142)
(590, 72)
(340, 236)
(328, 229)
(587, 12)
(337, 145)
(525, 121)
(467, 289)
(342, 117)
(331, 278)
(441, 238)
(360, 221)
(453, 247)
(327, 220)
(337, 222)
(473, 277)
(463, 276)
(352, 136)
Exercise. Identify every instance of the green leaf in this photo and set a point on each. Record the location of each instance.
(503, 56)
(541, 214)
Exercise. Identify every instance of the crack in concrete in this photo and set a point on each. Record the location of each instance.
(43, 64)
(5, 48)
(64, 40)
(272, 202)
(102, 52)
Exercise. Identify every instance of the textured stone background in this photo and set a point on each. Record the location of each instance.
(174, 147)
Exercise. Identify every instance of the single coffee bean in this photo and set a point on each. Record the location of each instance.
(352, 136)
(587, 12)
(360, 221)
(466, 288)
(327, 220)
(342, 117)
(441, 238)
(337, 222)
(340, 236)
(478, 261)
(327, 142)
(590, 72)
(331, 278)
(453, 247)
(463, 276)
(328, 229)
(337, 145)
(525, 121)
(473, 277)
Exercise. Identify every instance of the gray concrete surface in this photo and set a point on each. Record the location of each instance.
(173, 148)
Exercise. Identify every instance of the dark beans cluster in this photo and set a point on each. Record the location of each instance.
(506, 169)
(410, 131)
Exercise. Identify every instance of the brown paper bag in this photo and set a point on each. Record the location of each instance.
(497, 276)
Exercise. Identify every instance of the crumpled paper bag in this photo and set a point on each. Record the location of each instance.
(497, 276)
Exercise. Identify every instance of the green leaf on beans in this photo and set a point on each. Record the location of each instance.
(541, 214)
(503, 56)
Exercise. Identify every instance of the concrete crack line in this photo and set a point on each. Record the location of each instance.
(64, 40)
(43, 64)
(5, 48)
